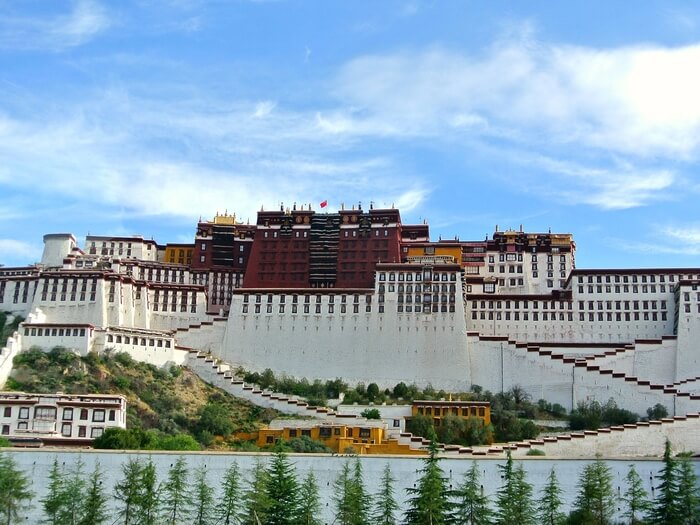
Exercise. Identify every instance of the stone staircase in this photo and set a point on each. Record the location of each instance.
(645, 438)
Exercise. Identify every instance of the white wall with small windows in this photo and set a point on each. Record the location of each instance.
(359, 335)
(17, 291)
(47, 336)
(687, 323)
(149, 346)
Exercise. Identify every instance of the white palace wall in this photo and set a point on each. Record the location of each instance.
(384, 348)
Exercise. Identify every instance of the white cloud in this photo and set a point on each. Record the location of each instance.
(668, 239)
(637, 100)
(12, 249)
(619, 187)
(263, 109)
(689, 235)
(85, 21)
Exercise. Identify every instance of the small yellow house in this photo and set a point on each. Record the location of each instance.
(341, 438)
(462, 409)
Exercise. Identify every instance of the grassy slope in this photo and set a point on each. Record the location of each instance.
(166, 400)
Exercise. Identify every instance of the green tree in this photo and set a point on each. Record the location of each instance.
(385, 505)
(175, 498)
(147, 497)
(215, 418)
(343, 496)
(688, 498)
(549, 507)
(371, 413)
(228, 510)
(53, 502)
(429, 502)
(658, 411)
(94, 510)
(635, 498)
(310, 505)
(595, 502)
(514, 503)
(256, 503)
(72, 494)
(15, 490)
(471, 507)
(421, 425)
(127, 492)
(372, 391)
(665, 509)
(203, 499)
(362, 501)
(352, 502)
(282, 491)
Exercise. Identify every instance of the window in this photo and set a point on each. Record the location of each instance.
(5, 430)
(68, 414)
(66, 430)
(83, 414)
(23, 412)
(7, 412)
(96, 432)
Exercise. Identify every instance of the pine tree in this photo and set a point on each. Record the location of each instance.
(255, 498)
(127, 492)
(343, 496)
(385, 505)
(472, 506)
(361, 501)
(635, 498)
(310, 506)
(146, 506)
(549, 508)
(688, 498)
(353, 504)
(175, 498)
(665, 509)
(203, 499)
(595, 502)
(514, 504)
(429, 502)
(72, 494)
(94, 510)
(14, 487)
(52, 503)
(228, 511)
(282, 491)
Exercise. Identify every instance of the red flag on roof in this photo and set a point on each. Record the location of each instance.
(324, 204)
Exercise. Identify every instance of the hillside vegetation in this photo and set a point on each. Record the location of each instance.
(162, 403)
(7, 329)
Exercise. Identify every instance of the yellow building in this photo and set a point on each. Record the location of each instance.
(342, 439)
(178, 253)
(462, 409)
(447, 251)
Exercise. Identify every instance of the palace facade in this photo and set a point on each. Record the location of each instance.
(358, 294)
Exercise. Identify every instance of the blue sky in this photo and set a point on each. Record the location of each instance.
(138, 117)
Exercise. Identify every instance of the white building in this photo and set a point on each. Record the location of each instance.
(58, 419)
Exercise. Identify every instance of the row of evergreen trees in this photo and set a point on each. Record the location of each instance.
(275, 496)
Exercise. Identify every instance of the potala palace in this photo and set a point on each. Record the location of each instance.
(357, 294)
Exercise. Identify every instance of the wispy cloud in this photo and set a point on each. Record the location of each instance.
(199, 157)
(11, 249)
(667, 239)
(85, 20)
(619, 187)
(636, 100)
